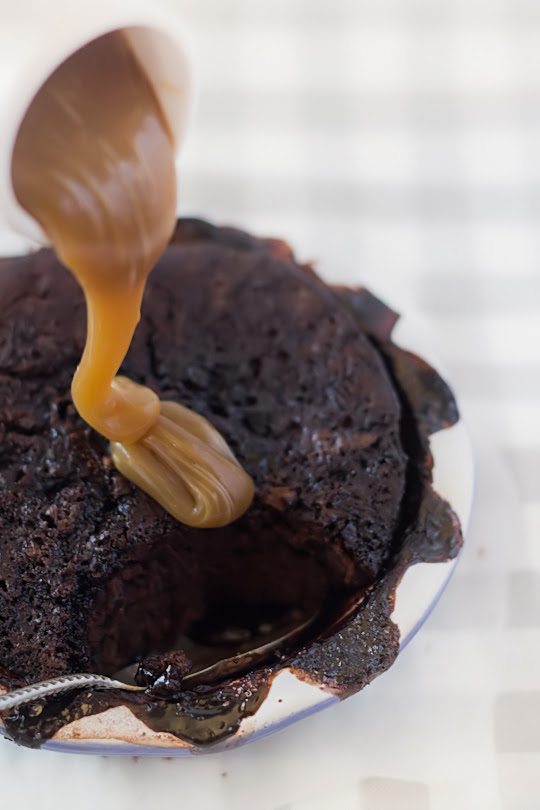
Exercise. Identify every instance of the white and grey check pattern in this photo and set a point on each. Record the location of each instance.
(397, 143)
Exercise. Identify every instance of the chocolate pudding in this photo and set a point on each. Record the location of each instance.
(324, 413)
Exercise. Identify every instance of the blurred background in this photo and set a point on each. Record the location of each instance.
(396, 143)
(396, 139)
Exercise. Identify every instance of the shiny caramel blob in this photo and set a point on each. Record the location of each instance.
(187, 466)
(94, 164)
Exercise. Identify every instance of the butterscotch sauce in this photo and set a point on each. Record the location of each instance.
(187, 467)
(94, 165)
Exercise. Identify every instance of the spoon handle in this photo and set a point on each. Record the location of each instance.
(35, 691)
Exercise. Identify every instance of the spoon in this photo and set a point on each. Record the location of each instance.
(221, 669)
(225, 667)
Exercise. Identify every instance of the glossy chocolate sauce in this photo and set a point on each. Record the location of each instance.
(201, 717)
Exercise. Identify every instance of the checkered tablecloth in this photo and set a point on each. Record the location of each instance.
(397, 143)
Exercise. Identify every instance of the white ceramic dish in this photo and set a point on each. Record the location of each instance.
(118, 732)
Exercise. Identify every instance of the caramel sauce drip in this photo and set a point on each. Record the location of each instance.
(94, 165)
(187, 467)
